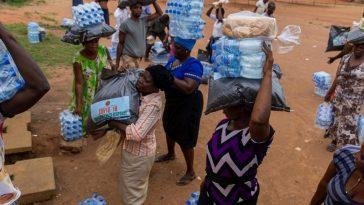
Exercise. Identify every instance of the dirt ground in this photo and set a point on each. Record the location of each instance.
(296, 160)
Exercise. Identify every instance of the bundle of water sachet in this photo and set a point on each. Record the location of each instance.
(322, 81)
(71, 126)
(239, 57)
(10, 79)
(88, 14)
(324, 115)
(186, 21)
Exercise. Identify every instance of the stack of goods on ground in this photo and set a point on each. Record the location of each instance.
(324, 116)
(71, 126)
(10, 79)
(95, 199)
(238, 60)
(207, 71)
(89, 23)
(322, 82)
(10, 83)
(186, 21)
(193, 200)
(159, 55)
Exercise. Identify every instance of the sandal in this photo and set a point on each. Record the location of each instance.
(165, 158)
(186, 179)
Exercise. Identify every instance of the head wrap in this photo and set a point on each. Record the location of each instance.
(188, 44)
(162, 78)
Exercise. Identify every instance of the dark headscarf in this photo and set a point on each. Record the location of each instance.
(162, 78)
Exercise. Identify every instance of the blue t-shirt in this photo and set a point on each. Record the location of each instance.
(190, 68)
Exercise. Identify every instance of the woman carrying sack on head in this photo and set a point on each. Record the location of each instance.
(347, 96)
(241, 142)
(87, 66)
(183, 109)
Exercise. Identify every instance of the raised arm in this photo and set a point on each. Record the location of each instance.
(259, 122)
(36, 84)
(112, 66)
(331, 91)
(321, 191)
(158, 12)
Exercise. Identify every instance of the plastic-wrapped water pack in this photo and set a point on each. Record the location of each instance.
(322, 82)
(10, 79)
(324, 115)
(239, 57)
(186, 21)
(71, 126)
(95, 199)
(361, 129)
(193, 200)
(88, 14)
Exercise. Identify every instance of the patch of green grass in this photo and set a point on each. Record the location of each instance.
(50, 53)
(17, 3)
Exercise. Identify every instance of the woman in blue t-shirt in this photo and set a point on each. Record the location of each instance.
(183, 109)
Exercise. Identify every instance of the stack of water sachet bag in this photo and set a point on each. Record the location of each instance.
(186, 21)
(207, 71)
(324, 115)
(10, 79)
(322, 82)
(238, 60)
(89, 23)
(71, 126)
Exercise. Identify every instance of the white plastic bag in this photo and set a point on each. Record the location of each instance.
(288, 38)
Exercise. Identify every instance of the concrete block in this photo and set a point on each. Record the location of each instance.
(17, 138)
(72, 146)
(34, 178)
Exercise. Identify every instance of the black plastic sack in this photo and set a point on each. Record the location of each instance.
(117, 98)
(226, 92)
(76, 35)
(356, 36)
(336, 32)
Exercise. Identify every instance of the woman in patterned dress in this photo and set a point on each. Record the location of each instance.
(238, 147)
(343, 182)
(87, 66)
(347, 97)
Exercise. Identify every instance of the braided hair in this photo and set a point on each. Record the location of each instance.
(162, 78)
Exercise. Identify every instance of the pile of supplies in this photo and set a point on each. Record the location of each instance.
(71, 126)
(238, 60)
(322, 82)
(185, 18)
(324, 115)
(10, 79)
(207, 71)
(89, 23)
(95, 199)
